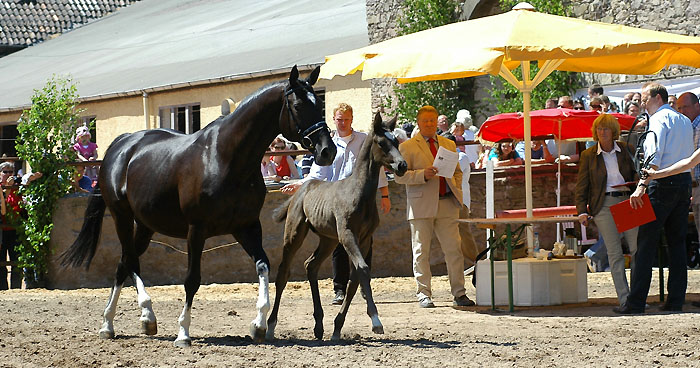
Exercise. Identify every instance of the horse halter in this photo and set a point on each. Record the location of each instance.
(306, 141)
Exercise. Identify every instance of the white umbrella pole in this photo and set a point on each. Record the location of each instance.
(528, 152)
(559, 179)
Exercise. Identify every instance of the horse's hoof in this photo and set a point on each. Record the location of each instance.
(106, 334)
(257, 333)
(335, 337)
(318, 332)
(183, 343)
(149, 328)
(378, 329)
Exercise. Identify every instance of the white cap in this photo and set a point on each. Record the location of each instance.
(464, 117)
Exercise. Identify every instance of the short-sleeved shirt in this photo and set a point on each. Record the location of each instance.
(674, 137)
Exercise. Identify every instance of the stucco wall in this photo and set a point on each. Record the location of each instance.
(353, 91)
(392, 251)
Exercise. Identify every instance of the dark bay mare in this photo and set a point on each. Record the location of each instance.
(342, 212)
(197, 186)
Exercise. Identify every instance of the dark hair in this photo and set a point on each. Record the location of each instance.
(596, 88)
(499, 152)
(631, 103)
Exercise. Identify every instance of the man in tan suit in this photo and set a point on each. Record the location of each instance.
(433, 208)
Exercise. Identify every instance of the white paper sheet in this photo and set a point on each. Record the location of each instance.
(446, 162)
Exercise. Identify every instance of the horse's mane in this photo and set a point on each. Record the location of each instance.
(247, 103)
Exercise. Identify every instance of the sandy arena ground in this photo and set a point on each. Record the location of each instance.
(52, 328)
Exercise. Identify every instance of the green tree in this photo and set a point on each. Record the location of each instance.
(44, 142)
(447, 96)
(507, 98)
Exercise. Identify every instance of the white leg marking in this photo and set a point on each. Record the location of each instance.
(258, 327)
(377, 325)
(183, 335)
(148, 317)
(107, 329)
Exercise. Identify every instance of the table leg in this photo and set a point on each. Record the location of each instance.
(493, 278)
(509, 252)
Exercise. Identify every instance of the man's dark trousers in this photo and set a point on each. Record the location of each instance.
(670, 198)
(341, 268)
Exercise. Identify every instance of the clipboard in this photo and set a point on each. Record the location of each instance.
(627, 218)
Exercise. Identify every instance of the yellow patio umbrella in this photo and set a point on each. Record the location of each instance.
(500, 43)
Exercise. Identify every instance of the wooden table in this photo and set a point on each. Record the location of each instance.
(490, 223)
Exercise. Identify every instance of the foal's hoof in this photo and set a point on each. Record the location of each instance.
(106, 334)
(149, 328)
(378, 329)
(257, 333)
(183, 343)
(335, 337)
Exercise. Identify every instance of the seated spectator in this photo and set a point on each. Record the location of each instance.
(607, 106)
(483, 158)
(504, 155)
(457, 131)
(285, 167)
(443, 125)
(565, 102)
(632, 109)
(672, 101)
(540, 152)
(306, 161)
(597, 104)
(400, 135)
(81, 183)
(566, 152)
(637, 97)
(578, 105)
(551, 103)
(408, 128)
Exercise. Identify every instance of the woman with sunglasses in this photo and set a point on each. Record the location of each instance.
(284, 165)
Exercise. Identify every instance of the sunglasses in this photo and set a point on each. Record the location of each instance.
(578, 108)
(595, 106)
(278, 147)
(8, 172)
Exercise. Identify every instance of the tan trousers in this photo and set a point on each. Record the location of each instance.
(469, 247)
(445, 227)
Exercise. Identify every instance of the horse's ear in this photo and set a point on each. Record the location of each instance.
(313, 77)
(294, 75)
(391, 124)
(377, 125)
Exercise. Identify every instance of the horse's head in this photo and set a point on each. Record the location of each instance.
(386, 149)
(305, 122)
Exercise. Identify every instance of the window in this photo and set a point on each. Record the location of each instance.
(8, 135)
(183, 118)
(321, 93)
(90, 122)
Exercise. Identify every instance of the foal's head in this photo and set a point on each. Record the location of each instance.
(386, 147)
(305, 122)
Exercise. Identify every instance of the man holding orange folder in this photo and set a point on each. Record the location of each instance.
(671, 141)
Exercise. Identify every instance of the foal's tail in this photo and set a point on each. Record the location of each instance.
(83, 249)
(280, 213)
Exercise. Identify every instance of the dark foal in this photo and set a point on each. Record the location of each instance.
(197, 186)
(342, 212)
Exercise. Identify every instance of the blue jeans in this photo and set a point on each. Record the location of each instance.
(670, 198)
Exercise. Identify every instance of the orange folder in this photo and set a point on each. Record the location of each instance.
(627, 218)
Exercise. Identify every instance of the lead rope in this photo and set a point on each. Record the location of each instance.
(185, 253)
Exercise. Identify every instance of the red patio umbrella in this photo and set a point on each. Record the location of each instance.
(575, 124)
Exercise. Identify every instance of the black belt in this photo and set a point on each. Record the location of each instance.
(616, 194)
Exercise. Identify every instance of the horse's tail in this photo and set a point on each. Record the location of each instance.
(83, 249)
(280, 213)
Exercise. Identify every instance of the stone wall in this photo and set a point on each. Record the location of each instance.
(674, 16)
(165, 263)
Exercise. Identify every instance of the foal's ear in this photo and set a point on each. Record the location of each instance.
(377, 125)
(294, 75)
(391, 124)
(313, 77)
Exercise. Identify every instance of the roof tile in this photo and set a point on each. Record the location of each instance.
(26, 22)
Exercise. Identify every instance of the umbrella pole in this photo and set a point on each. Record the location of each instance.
(526, 89)
(559, 179)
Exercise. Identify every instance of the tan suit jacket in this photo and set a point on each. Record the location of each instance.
(422, 196)
(593, 176)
